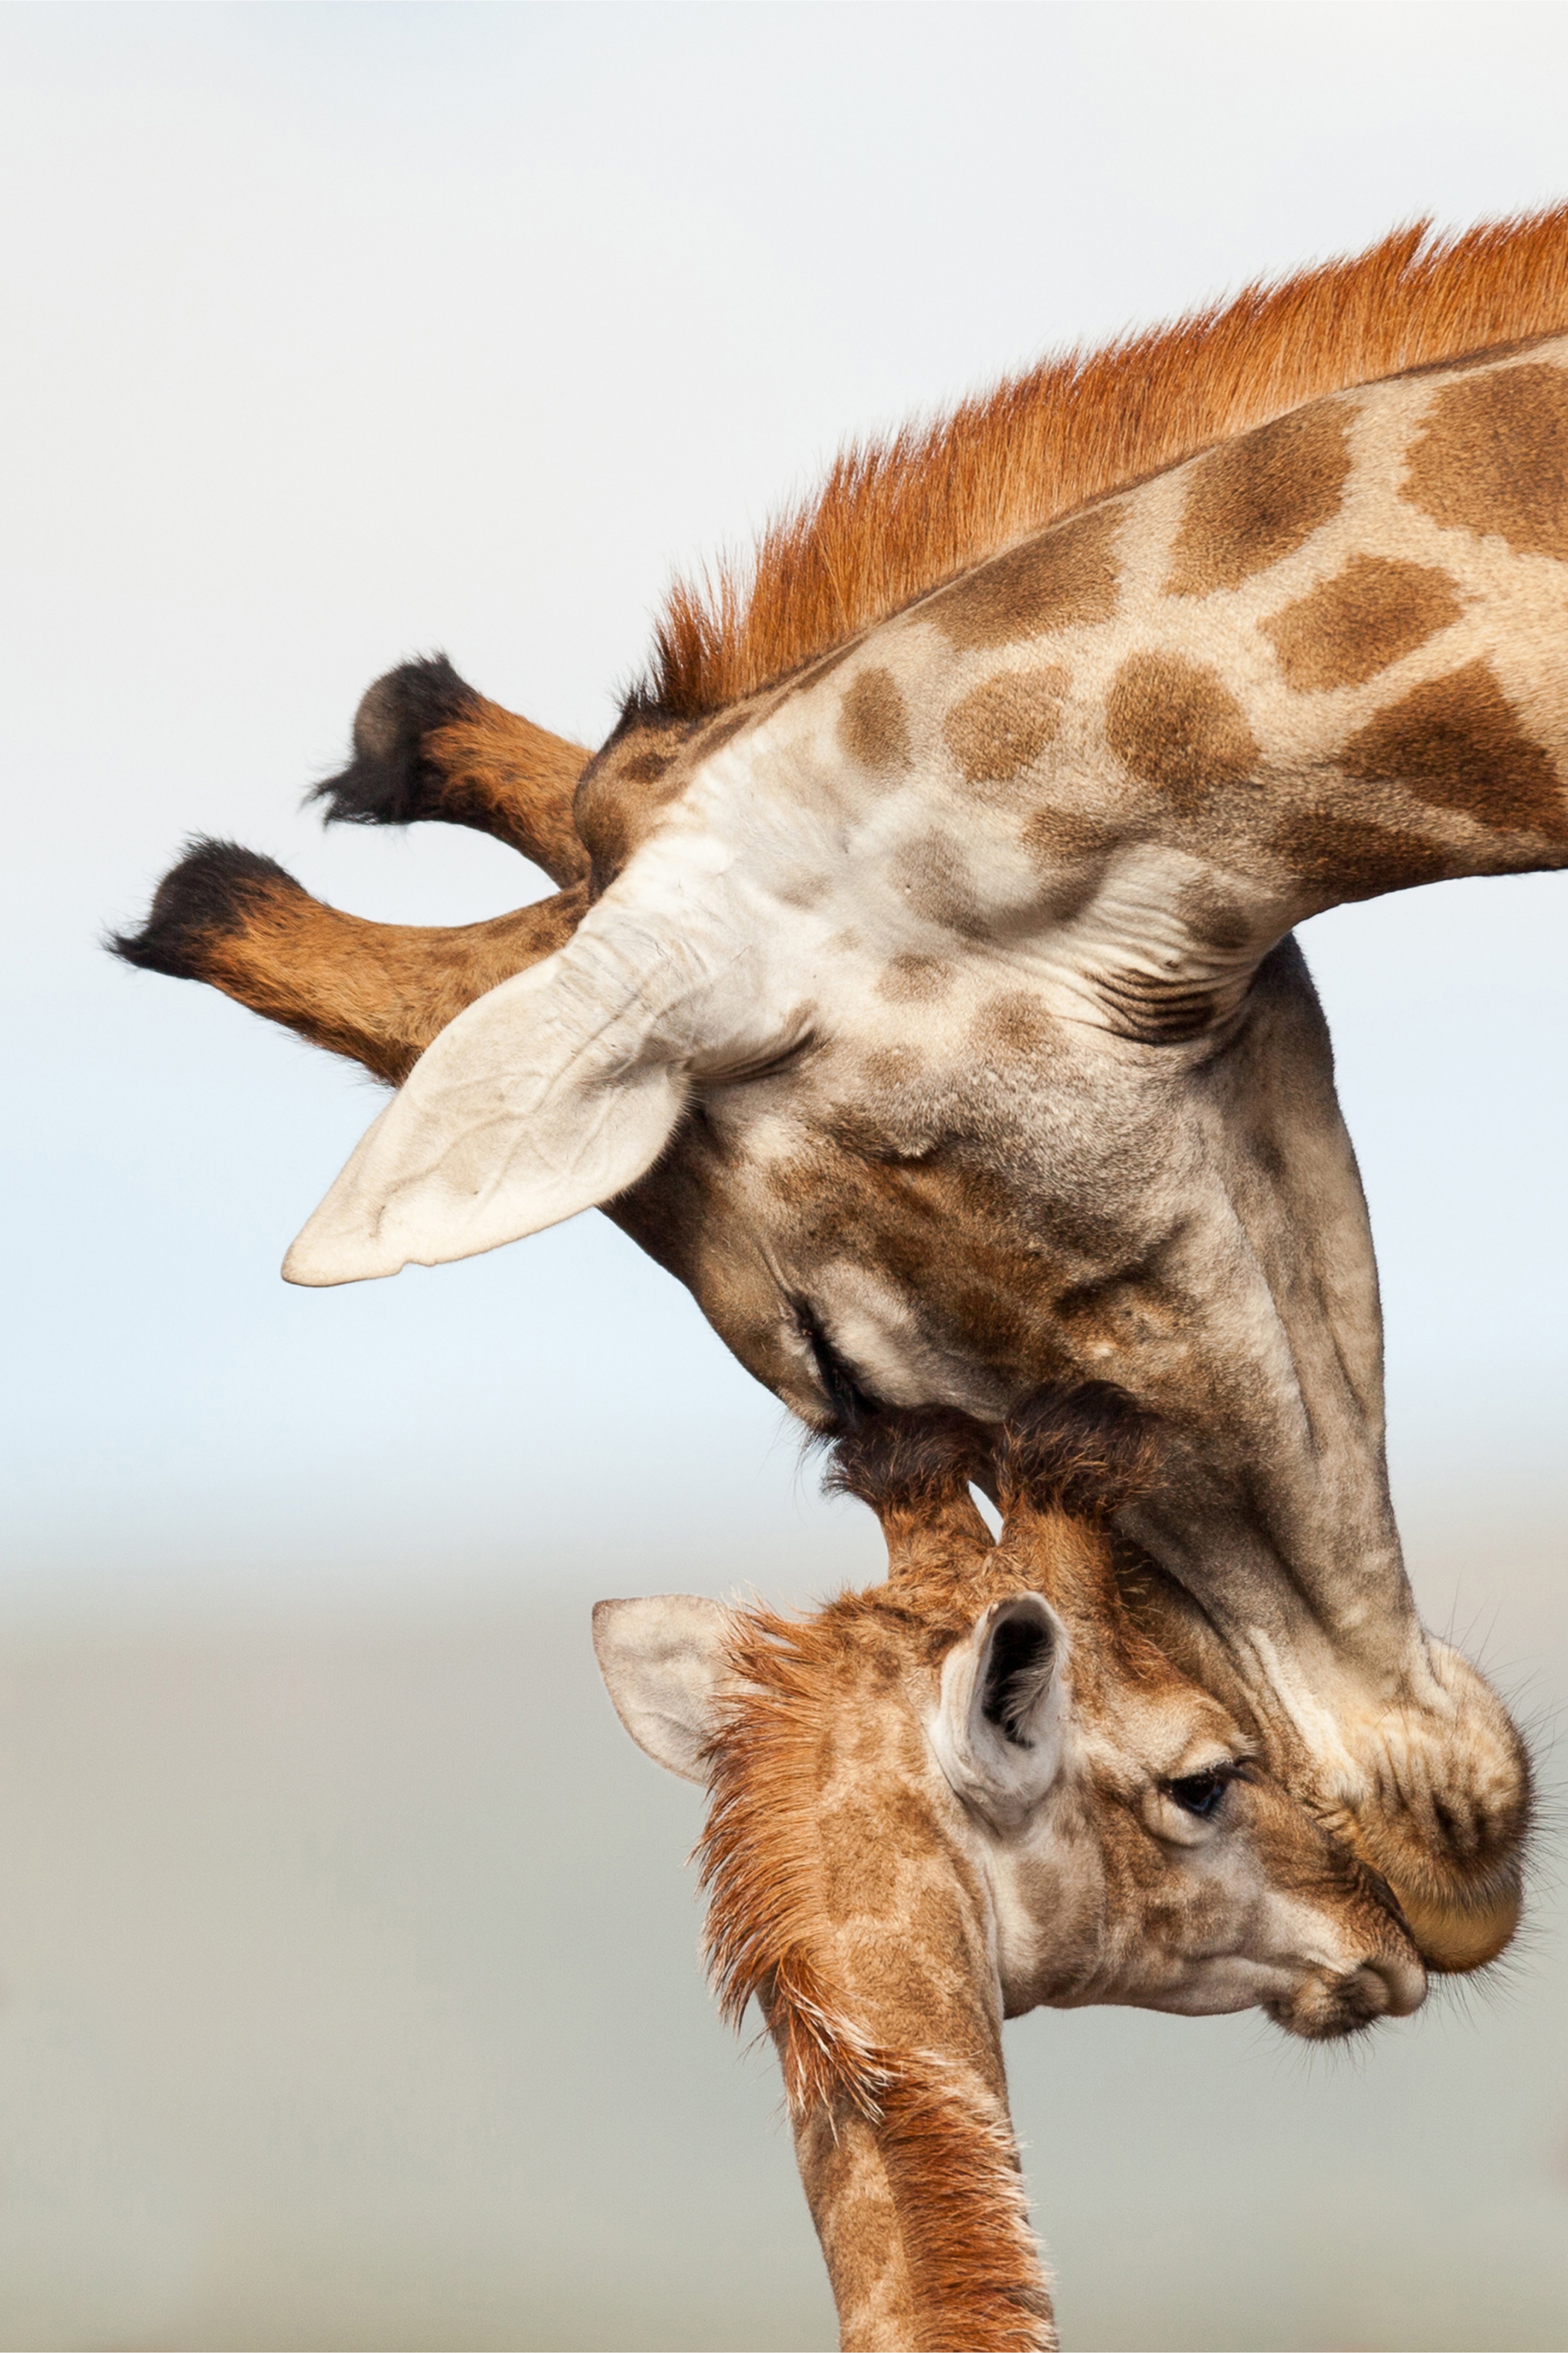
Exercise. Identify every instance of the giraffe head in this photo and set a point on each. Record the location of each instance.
(984, 1766)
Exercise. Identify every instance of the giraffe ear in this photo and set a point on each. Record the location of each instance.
(665, 1662)
(542, 1098)
(560, 1088)
(1001, 1719)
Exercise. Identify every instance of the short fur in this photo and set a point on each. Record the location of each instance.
(376, 992)
(972, 2256)
(897, 518)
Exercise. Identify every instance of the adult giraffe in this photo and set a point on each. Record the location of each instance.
(921, 989)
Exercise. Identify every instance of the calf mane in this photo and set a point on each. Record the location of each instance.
(951, 2164)
(897, 517)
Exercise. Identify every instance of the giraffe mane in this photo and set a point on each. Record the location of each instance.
(761, 1854)
(897, 517)
(974, 2256)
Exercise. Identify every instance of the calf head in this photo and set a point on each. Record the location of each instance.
(990, 1720)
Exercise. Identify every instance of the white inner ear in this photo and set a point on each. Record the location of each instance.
(542, 1098)
(666, 1664)
(1001, 1719)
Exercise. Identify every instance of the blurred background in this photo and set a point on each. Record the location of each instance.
(348, 1982)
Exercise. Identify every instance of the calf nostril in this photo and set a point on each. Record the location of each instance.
(1391, 1986)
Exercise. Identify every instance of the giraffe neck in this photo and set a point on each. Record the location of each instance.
(922, 2218)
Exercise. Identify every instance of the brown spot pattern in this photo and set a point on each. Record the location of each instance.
(914, 979)
(890, 1066)
(1493, 457)
(1012, 1023)
(1214, 914)
(1054, 834)
(895, 519)
(1004, 726)
(1457, 744)
(1354, 857)
(934, 876)
(646, 768)
(1257, 499)
(1368, 615)
(1060, 579)
(872, 727)
(1177, 726)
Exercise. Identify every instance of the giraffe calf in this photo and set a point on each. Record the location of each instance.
(973, 1790)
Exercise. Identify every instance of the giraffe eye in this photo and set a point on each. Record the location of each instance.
(850, 1402)
(1200, 1793)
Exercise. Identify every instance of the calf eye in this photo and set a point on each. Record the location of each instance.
(1200, 1793)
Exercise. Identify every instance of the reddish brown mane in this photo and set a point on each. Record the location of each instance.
(761, 1857)
(898, 517)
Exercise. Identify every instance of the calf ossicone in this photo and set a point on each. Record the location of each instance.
(665, 1662)
(999, 1725)
(552, 1094)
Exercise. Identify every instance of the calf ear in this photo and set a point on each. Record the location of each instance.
(664, 1661)
(1000, 1721)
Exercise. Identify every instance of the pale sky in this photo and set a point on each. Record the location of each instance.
(337, 334)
